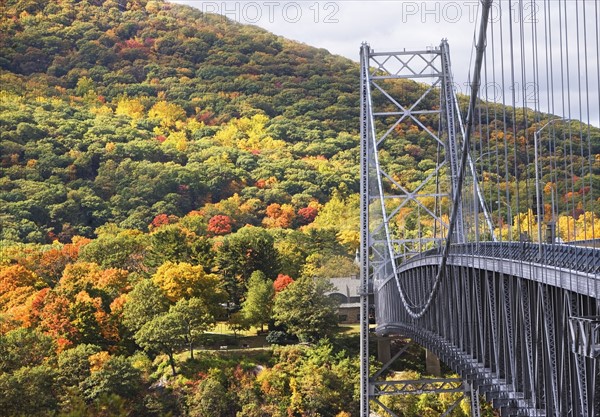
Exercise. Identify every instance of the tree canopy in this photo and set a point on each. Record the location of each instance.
(305, 309)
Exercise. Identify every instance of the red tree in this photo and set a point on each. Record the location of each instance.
(160, 220)
(163, 219)
(220, 225)
(282, 282)
(306, 215)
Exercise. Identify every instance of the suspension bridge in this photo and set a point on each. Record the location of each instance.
(488, 253)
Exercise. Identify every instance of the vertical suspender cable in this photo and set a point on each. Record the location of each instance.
(504, 129)
(481, 44)
(514, 113)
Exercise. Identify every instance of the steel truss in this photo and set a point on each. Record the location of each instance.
(382, 388)
(418, 386)
(526, 335)
(386, 77)
(422, 386)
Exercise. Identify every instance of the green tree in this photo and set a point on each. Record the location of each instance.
(238, 323)
(74, 364)
(175, 243)
(293, 247)
(126, 250)
(196, 317)
(259, 300)
(24, 347)
(144, 302)
(84, 313)
(210, 399)
(116, 376)
(329, 266)
(305, 309)
(29, 391)
(240, 254)
(164, 333)
(324, 382)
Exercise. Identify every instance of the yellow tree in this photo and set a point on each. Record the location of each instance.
(588, 226)
(340, 214)
(81, 276)
(248, 134)
(131, 107)
(226, 136)
(17, 287)
(178, 140)
(167, 113)
(15, 276)
(565, 228)
(526, 223)
(183, 280)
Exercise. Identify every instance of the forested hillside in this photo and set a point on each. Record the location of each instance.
(164, 171)
(120, 114)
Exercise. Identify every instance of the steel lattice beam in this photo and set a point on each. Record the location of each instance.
(418, 386)
(533, 350)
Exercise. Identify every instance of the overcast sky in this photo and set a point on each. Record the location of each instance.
(341, 27)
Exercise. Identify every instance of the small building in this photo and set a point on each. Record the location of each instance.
(346, 292)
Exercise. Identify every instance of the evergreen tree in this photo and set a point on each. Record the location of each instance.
(305, 309)
(259, 300)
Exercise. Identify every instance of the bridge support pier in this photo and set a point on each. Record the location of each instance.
(384, 349)
(432, 364)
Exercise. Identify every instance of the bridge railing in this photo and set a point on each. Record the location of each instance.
(582, 259)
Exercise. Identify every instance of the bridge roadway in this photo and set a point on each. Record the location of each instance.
(518, 321)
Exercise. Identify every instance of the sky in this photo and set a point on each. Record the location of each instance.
(342, 26)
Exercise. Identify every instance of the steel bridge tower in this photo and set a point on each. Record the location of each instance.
(407, 93)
